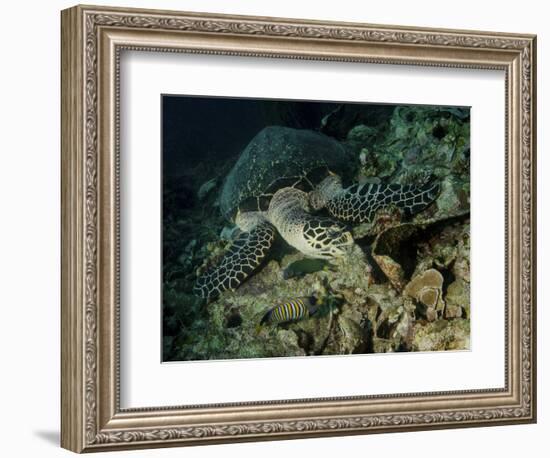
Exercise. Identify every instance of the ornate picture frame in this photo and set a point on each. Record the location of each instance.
(92, 41)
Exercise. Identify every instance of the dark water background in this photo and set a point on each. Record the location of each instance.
(196, 129)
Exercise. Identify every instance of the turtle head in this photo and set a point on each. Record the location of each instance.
(325, 238)
(325, 191)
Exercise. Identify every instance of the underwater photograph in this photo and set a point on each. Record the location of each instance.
(307, 228)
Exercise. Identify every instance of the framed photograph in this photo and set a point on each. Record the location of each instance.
(278, 228)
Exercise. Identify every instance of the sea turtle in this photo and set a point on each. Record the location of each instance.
(280, 180)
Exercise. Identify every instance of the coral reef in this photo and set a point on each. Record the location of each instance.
(405, 285)
(427, 289)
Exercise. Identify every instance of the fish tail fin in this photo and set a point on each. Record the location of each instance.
(313, 309)
(265, 319)
(313, 305)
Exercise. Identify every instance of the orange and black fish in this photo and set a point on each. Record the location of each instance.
(293, 310)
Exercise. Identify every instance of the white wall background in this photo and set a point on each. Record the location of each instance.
(29, 230)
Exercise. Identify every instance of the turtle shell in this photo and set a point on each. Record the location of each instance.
(279, 157)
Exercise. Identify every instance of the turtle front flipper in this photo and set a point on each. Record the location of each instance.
(359, 203)
(244, 255)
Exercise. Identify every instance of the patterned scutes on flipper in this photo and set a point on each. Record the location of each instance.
(243, 257)
(359, 203)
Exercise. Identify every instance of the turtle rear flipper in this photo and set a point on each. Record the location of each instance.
(243, 257)
(359, 203)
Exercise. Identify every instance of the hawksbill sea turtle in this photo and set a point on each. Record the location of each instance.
(281, 179)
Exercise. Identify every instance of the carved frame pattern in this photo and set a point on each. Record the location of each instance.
(82, 403)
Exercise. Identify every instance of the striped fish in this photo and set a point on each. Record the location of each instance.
(293, 310)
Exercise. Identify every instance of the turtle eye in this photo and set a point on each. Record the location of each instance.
(334, 231)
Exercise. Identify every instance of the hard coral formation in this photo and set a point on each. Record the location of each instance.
(427, 288)
(442, 335)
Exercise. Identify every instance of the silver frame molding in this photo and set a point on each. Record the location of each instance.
(92, 40)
